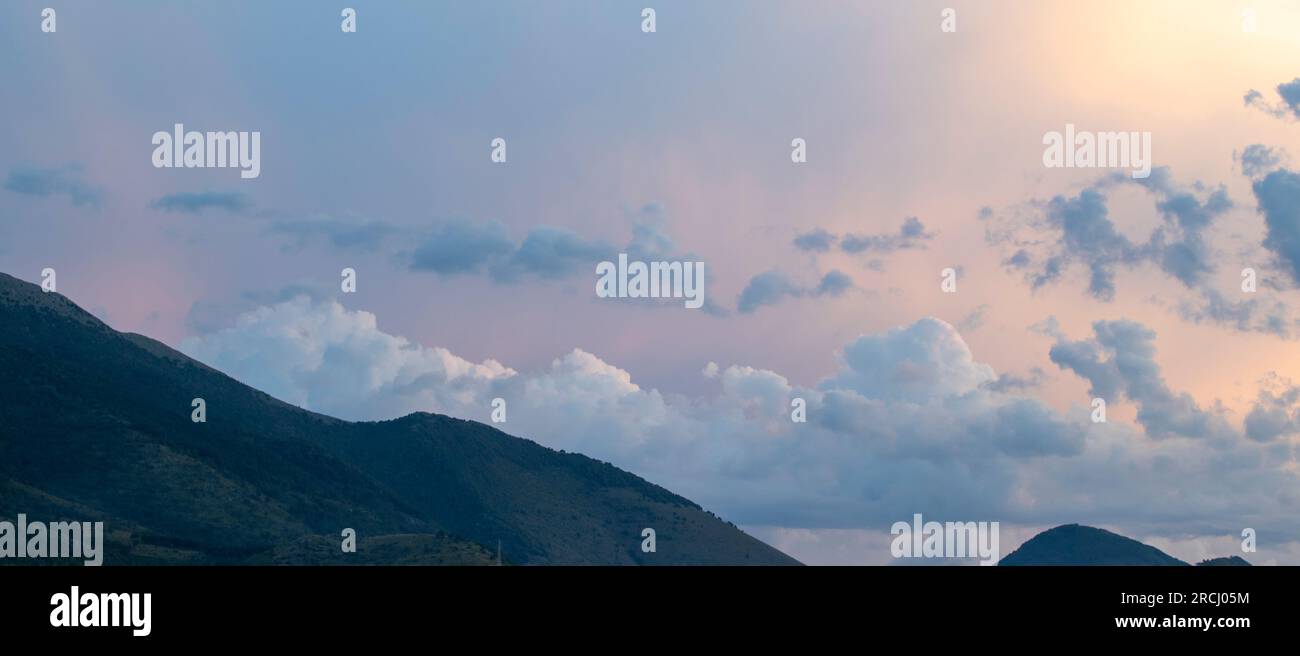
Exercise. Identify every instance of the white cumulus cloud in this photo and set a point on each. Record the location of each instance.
(907, 423)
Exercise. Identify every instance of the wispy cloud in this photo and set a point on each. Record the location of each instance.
(196, 202)
(68, 181)
(1288, 96)
(771, 287)
(911, 234)
(338, 233)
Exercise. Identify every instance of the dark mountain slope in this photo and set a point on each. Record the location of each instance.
(1073, 544)
(543, 505)
(95, 424)
(1228, 561)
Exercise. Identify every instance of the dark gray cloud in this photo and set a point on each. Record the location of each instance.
(1289, 100)
(548, 253)
(1082, 232)
(767, 288)
(1248, 315)
(1276, 412)
(650, 240)
(1179, 246)
(911, 234)
(771, 287)
(1119, 363)
(1078, 230)
(1088, 235)
(1007, 382)
(833, 284)
(1018, 260)
(553, 253)
(1258, 159)
(1278, 195)
(1290, 94)
(68, 181)
(195, 202)
(817, 240)
(1026, 428)
(346, 235)
(462, 247)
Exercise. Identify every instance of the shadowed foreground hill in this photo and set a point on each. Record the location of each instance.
(95, 425)
(1073, 544)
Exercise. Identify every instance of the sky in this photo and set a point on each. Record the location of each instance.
(924, 152)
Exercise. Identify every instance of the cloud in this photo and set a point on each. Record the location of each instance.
(771, 287)
(1258, 159)
(1088, 235)
(1119, 363)
(927, 359)
(767, 288)
(1185, 256)
(974, 320)
(650, 239)
(318, 355)
(1288, 94)
(911, 234)
(1018, 260)
(1276, 412)
(908, 422)
(554, 253)
(834, 283)
(1278, 195)
(462, 247)
(68, 181)
(1078, 230)
(195, 202)
(211, 315)
(816, 241)
(1007, 382)
(1049, 326)
(1249, 315)
(340, 234)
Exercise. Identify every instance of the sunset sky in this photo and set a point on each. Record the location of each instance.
(924, 152)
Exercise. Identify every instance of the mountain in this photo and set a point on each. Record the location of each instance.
(1230, 561)
(1072, 544)
(95, 425)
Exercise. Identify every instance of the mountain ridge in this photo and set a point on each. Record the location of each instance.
(1075, 544)
(95, 424)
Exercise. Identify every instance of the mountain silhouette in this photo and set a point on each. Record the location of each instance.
(1230, 561)
(95, 425)
(1072, 544)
